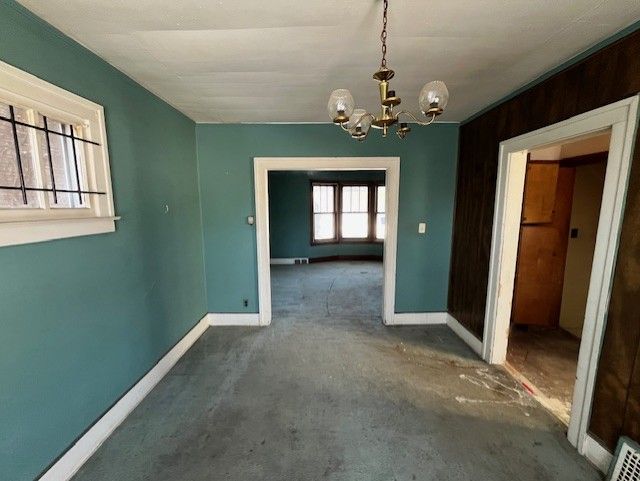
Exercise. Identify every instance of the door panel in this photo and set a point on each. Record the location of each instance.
(542, 253)
(540, 192)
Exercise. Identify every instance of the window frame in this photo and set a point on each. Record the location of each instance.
(336, 189)
(376, 212)
(371, 211)
(44, 222)
(355, 240)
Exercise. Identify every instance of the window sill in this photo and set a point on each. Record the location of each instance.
(28, 232)
(356, 240)
(324, 242)
(348, 241)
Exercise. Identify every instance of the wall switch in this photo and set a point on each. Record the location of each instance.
(251, 220)
(422, 228)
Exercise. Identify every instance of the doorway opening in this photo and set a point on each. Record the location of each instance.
(353, 219)
(558, 227)
(619, 120)
(327, 231)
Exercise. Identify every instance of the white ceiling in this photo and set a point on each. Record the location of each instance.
(278, 60)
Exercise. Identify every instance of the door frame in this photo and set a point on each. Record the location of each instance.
(261, 168)
(622, 118)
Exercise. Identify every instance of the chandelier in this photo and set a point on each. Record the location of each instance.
(433, 99)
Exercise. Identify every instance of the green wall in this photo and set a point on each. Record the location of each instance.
(290, 215)
(427, 183)
(83, 319)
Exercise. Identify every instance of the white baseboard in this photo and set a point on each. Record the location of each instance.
(233, 319)
(83, 449)
(472, 341)
(418, 318)
(597, 454)
(288, 260)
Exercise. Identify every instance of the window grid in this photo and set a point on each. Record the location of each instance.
(381, 213)
(367, 200)
(50, 159)
(23, 187)
(355, 219)
(324, 204)
(16, 144)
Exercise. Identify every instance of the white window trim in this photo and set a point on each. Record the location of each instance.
(23, 226)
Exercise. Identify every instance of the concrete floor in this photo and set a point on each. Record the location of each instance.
(548, 359)
(335, 396)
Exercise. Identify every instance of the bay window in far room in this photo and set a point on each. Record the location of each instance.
(347, 212)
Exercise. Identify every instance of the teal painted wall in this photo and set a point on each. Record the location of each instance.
(427, 184)
(82, 319)
(290, 215)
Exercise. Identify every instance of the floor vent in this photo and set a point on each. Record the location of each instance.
(626, 465)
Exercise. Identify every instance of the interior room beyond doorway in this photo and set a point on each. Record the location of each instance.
(335, 221)
(561, 207)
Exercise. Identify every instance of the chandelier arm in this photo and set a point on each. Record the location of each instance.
(416, 119)
(373, 117)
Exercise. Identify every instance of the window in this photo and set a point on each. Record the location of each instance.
(324, 212)
(54, 168)
(381, 217)
(347, 212)
(355, 212)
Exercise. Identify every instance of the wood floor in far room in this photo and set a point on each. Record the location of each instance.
(548, 359)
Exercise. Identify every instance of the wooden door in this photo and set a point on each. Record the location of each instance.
(542, 251)
(540, 192)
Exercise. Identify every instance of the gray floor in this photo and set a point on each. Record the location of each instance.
(325, 393)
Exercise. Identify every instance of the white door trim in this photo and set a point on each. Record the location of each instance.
(622, 118)
(261, 168)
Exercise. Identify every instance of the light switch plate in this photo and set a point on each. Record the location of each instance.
(422, 228)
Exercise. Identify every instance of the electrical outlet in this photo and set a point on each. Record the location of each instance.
(245, 302)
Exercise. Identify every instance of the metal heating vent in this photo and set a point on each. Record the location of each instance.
(626, 465)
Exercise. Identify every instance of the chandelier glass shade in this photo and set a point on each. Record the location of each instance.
(341, 105)
(432, 100)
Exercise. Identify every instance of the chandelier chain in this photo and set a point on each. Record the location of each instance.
(383, 35)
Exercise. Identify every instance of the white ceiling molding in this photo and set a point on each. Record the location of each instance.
(233, 61)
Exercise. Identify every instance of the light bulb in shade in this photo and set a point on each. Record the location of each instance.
(434, 97)
(354, 118)
(341, 105)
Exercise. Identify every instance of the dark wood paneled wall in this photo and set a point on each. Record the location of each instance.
(607, 76)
